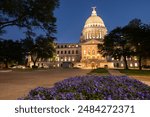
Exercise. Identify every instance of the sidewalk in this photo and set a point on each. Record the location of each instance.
(3, 71)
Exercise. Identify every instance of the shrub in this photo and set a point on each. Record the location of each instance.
(93, 88)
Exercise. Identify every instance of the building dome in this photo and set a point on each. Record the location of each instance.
(93, 20)
(94, 27)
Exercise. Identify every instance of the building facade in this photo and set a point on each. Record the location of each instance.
(85, 53)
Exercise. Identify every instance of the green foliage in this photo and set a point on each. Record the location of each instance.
(139, 37)
(41, 48)
(130, 40)
(29, 14)
(11, 52)
(116, 45)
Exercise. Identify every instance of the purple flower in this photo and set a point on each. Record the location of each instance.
(93, 88)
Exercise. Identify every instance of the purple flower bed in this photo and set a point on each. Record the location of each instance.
(93, 88)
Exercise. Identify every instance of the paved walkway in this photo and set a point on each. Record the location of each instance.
(17, 84)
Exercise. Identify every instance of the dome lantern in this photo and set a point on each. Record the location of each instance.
(94, 11)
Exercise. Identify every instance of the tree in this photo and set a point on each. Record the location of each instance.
(139, 37)
(116, 45)
(28, 14)
(10, 52)
(41, 48)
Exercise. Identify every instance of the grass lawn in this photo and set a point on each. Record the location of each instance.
(99, 71)
(135, 72)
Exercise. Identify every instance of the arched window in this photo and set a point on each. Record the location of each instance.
(93, 52)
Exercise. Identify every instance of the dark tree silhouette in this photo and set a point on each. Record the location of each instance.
(139, 37)
(28, 14)
(116, 45)
(41, 48)
(11, 52)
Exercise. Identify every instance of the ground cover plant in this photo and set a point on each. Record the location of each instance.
(93, 88)
(100, 71)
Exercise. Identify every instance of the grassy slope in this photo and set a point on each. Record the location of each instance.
(136, 72)
(99, 71)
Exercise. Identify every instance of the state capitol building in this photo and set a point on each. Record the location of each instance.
(85, 53)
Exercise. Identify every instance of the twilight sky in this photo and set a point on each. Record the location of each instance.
(72, 14)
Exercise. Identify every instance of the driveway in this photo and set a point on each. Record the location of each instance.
(17, 84)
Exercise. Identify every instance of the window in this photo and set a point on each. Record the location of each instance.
(72, 59)
(131, 65)
(61, 46)
(136, 65)
(128, 58)
(61, 59)
(93, 52)
(61, 52)
(72, 51)
(57, 52)
(69, 52)
(58, 59)
(84, 52)
(69, 59)
(76, 51)
(65, 58)
(89, 52)
(65, 52)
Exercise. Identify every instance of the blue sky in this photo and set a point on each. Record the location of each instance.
(72, 14)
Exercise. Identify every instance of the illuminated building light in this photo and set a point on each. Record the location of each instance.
(136, 65)
(122, 64)
(72, 59)
(131, 65)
